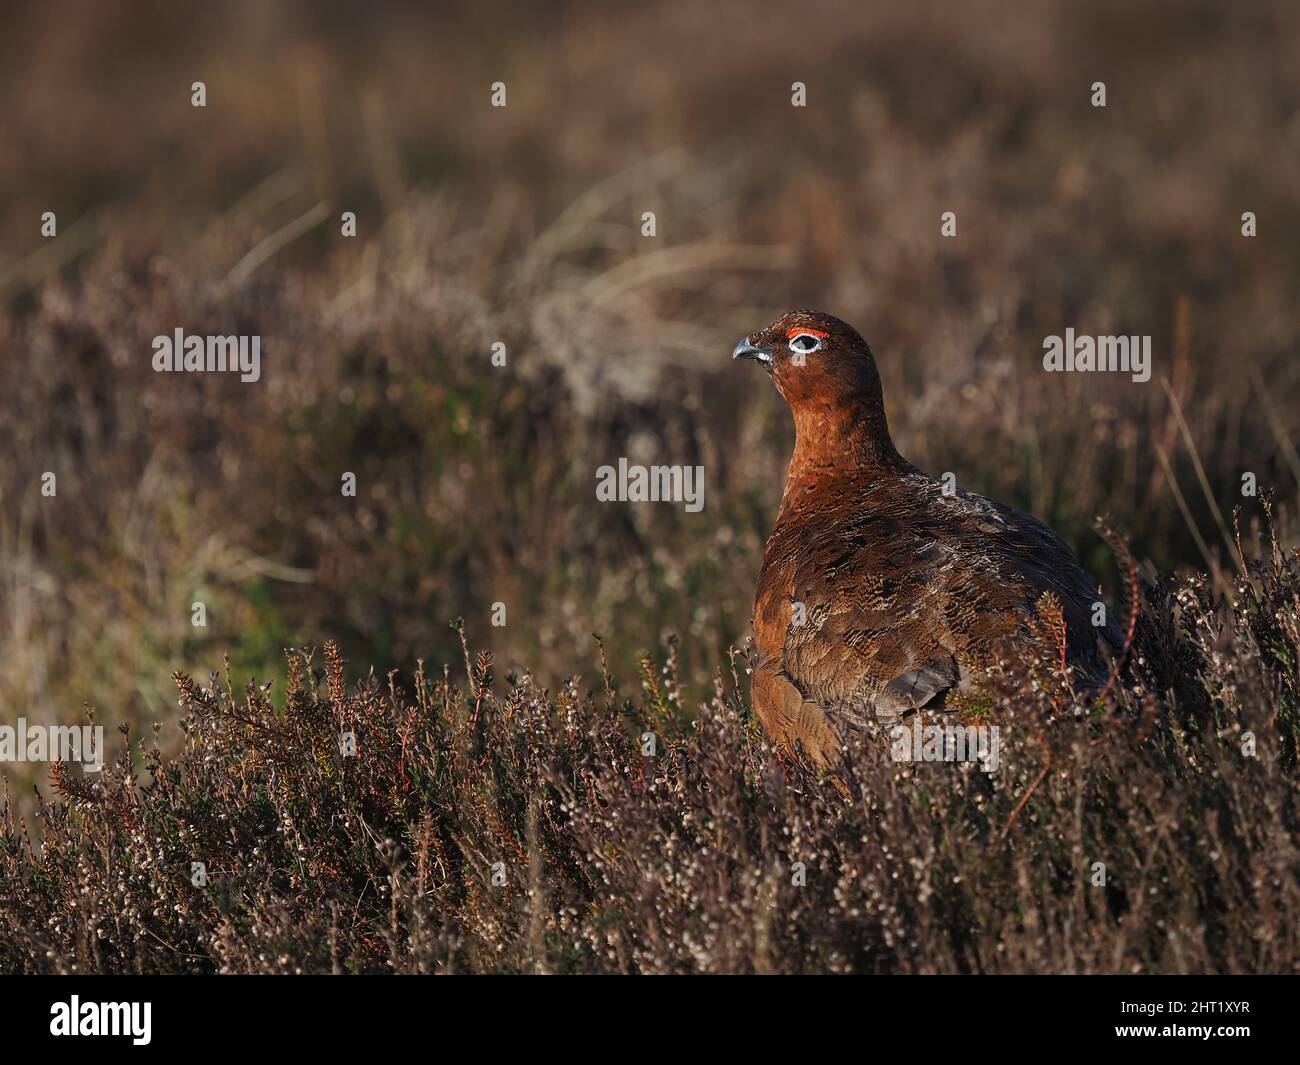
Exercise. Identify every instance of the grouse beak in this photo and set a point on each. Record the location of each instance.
(746, 350)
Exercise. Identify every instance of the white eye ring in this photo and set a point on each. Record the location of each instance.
(804, 343)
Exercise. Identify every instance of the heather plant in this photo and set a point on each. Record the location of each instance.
(452, 822)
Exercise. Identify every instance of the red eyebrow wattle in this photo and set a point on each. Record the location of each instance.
(804, 329)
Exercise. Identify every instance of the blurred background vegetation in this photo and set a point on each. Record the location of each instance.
(476, 484)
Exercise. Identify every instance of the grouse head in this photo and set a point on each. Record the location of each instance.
(814, 358)
(825, 371)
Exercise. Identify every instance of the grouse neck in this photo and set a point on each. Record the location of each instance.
(840, 441)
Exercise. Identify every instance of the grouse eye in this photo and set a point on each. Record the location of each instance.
(804, 343)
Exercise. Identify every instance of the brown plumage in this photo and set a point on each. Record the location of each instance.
(880, 593)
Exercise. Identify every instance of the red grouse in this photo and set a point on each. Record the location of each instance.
(881, 591)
